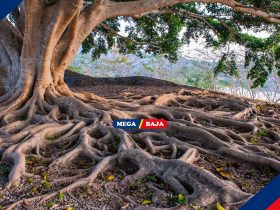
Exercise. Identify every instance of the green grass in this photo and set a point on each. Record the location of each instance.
(152, 178)
(49, 204)
(50, 138)
(76, 69)
(3, 169)
(254, 140)
(117, 139)
(261, 133)
(179, 200)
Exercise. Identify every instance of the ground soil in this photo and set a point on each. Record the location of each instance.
(106, 194)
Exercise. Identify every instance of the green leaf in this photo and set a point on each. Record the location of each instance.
(45, 176)
(50, 138)
(30, 180)
(46, 185)
(60, 195)
(261, 133)
(181, 200)
(34, 190)
(181, 197)
(152, 178)
(49, 204)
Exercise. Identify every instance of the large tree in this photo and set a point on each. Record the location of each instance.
(39, 40)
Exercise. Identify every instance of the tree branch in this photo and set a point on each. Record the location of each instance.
(186, 14)
(91, 16)
(21, 19)
(95, 13)
(273, 18)
(10, 37)
(7, 27)
(112, 31)
(142, 7)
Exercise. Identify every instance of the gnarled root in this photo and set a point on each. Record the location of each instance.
(61, 127)
(196, 184)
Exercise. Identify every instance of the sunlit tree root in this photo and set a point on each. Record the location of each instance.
(80, 129)
(198, 185)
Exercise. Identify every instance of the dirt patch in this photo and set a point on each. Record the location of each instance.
(122, 86)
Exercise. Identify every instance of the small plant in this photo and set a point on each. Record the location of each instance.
(1, 208)
(3, 170)
(49, 204)
(34, 190)
(50, 138)
(30, 180)
(45, 176)
(46, 185)
(179, 200)
(30, 160)
(261, 133)
(254, 140)
(152, 178)
(60, 195)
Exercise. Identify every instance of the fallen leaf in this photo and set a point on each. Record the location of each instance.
(49, 204)
(219, 169)
(146, 202)
(69, 208)
(30, 180)
(219, 207)
(225, 174)
(111, 178)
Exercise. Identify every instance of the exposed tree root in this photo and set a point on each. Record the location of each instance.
(80, 125)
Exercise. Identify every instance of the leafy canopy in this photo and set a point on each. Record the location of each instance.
(160, 32)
